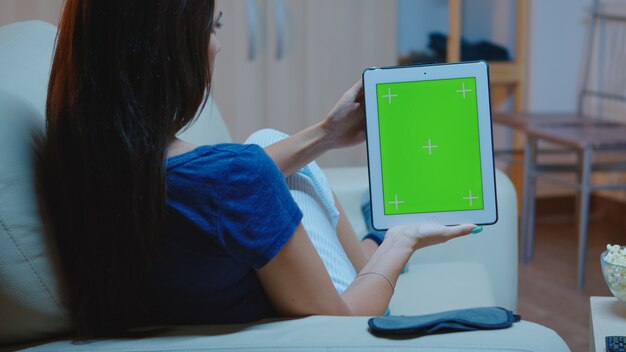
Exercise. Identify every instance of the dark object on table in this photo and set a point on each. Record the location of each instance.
(481, 50)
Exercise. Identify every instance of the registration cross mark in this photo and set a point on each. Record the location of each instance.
(430, 147)
(463, 90)
(396, 202)
(389, 95)
(470, 198)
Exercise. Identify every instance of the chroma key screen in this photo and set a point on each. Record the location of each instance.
(429, 143)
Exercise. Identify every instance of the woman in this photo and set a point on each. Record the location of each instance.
(152, 230)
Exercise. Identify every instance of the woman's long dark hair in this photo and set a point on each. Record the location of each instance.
(126, 76)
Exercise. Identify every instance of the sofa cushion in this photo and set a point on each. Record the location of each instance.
(436, 287)
(425, 288)
(322, 334)
(29, 299)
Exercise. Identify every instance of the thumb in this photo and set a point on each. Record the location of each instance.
(356, 92)
(460, 230)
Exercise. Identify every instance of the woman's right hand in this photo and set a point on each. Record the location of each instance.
(343, 127)
(428, 234)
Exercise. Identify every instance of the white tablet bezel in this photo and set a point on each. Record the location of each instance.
(479, 71)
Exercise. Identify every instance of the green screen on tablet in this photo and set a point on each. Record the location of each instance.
(429, 146)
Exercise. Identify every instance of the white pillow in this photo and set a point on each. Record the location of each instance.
(311, 191)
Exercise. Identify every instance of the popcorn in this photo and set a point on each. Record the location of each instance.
(615, 274)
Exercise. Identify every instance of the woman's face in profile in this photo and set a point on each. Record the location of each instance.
(214, 43)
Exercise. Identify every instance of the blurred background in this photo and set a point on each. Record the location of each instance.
(284, 63)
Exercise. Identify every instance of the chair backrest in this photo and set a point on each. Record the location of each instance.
(603, 84)
(30, 303)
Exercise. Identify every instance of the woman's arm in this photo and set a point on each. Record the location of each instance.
(298, 284)
(359, 252)
(344, 126)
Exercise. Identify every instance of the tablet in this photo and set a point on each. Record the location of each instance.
(430, 145)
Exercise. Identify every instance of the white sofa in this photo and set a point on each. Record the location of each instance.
(479, 270)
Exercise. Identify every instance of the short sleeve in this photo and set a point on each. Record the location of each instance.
(257, 214)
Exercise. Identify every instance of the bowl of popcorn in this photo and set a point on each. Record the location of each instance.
(613, 262)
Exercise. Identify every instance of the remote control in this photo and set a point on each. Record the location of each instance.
(615, 344)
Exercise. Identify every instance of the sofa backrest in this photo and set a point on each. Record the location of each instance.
(25, 56)
(30, 305)
(29, 298)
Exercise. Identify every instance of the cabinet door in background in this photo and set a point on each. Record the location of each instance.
(22, 10)
(307, 53)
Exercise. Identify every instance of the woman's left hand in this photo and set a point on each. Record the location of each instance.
(345, 123)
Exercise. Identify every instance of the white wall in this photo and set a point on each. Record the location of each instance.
(557, 34)
(490, 19)
(417, 18)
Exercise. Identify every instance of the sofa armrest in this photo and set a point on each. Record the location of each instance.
(321, 333)
(495, 247)
(426, 288)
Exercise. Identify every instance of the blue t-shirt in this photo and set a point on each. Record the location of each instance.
(229, 212)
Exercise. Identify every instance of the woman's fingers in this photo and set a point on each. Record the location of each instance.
(345, 122)
(356, 90)
(428, 234)
(433, 229)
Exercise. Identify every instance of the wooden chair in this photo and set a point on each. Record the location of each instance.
(598, 127)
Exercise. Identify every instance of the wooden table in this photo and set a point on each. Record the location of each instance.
(608, 318)
(575, 133)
